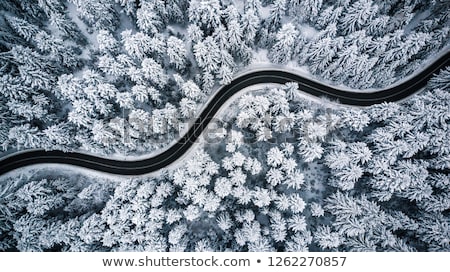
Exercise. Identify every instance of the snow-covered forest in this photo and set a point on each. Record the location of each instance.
(285, 174)
(373, 179)
(89, 74)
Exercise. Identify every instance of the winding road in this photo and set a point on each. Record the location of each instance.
(140, 167)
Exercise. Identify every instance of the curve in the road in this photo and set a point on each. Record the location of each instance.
(170, 155)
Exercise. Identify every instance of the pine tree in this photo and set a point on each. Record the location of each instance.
(55, 47)
(107, 42)
(187, 107)
(329, 16)
(191, 90)
(361, 243)
(348, 176)
(176, 51)
(261, 197)
(220, 35)
(278, 227)
(226, 75)
(297, 204)
(234, 34)
(356, 120)
(378, 26)
(125, 100)
(195, 34)
(295, 180)
(330, 31)
(326, 238)
(322, 52)
(297, 223)
(154, 72)
(176, 11)
(177, 233)
(35, 70)
(50, 6)
(274, 176)
(207, 55)
(283, 50)
(98, 13)
(111, 66)
(136, 45)
(230, 13)
(226, 60)
(223, 187)
(358, 15)
(277, 11)
(129, 6)
(29, 110)
(316, 210)
(309, 9)
(69, 29)
(148, 20)
(58, 134)
(250, 25)
(343, 205)
(254, 5)
(206, 14)
(22, 27)
(401, 17)
(310, 150)
(101, 134)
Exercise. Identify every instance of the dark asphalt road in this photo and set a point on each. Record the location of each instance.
(167, 157)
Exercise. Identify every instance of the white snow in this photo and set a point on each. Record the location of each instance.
(265, 12)
(260, 56)
(308, 32)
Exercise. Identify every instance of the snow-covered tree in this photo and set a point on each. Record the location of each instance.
(187, 107)
(148, 20)
(310, 150)
(326, 238)
(250, 24)
(274, 157)
(34, 68)
(207, 55)
(274, 176)
(261, 197)
(284, 48)
(22, 27)
(297, 204)
(98, 13)
(176, 51)
(195, 34)
(136, 45)
(358, 15)
(24, 136)
(234, 34)
(328, 16)
(205, 13)
(277, 11)
(106, 41)
(154, 72)
(308, 10)
(322, 52)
